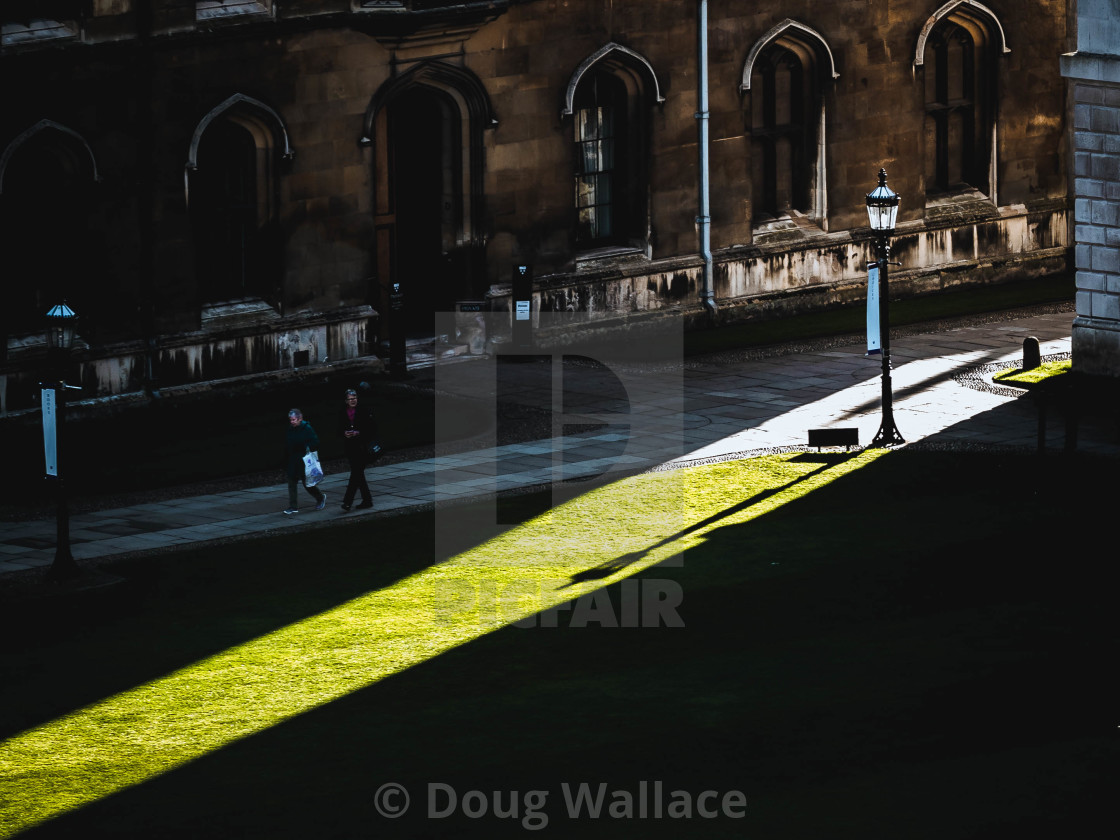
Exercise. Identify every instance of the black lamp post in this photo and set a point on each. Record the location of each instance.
(61, 330)
(882, 211)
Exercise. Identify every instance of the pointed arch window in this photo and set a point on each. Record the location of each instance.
(600, 122)
(958, 50)
(48, 177)
(781, 134)
(232, 196)
(787, 75)
(608, 99)
(227, 214)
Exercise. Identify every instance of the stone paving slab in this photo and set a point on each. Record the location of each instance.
(713, 407)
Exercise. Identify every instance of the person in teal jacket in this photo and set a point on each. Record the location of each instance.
(301, 437)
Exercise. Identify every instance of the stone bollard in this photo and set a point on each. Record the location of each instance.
(1032, 357)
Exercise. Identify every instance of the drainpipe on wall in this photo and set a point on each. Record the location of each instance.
(146, 183)
(704, 221)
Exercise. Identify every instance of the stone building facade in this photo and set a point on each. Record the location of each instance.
(1093, 71)
(225, 188)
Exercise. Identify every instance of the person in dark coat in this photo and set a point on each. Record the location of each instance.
(301, 437)
(358, 429)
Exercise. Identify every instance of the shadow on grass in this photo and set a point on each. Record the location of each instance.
(613, 567)
(911, 651)
(179, 608)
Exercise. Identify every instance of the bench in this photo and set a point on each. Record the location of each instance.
(848, 437)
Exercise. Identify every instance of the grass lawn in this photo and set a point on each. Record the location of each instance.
(1045, 371)
(900, 645)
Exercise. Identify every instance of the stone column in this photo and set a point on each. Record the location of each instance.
(1093, 72)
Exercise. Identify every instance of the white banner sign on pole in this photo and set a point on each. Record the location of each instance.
(874, 344)
(50, 437)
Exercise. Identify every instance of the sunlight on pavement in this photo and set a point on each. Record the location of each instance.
(597, 539)
(927, 400)
(790, 427)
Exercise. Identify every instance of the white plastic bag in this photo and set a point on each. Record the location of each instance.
(312, 470)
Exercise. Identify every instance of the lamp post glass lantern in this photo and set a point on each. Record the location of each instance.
(61, 327)
(882, 212)
(61, 331)
(882, 206)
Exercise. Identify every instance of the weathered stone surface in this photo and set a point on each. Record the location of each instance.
(473, 97)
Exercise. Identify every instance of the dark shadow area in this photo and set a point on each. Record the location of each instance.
(590, 385)
(1089, 426)
(174, 609)
(1079, 399)
(920, 649)
(510, 509)
(168, 443)
(851, 319)
(655, 341)
(586, 384)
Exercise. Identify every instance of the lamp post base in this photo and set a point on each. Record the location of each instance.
(887, 435)
(63, 568)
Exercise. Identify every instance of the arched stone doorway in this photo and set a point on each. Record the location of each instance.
(426, 127)
(426, 158)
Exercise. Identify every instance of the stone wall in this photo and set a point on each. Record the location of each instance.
(1094, 78)
(781, 279)
(222, 350)
(135, 90)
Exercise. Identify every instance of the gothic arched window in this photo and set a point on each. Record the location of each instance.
(602, 188)
(232, 194)
(782, 134)
(608, 98)
(47, 204)
(787, 73)
(957, 51)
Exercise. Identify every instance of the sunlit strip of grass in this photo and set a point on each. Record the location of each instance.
(1035, 375)
(619, 529)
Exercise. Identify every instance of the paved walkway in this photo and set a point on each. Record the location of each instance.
(644, 416)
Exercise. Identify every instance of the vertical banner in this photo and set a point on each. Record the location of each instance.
(874, 345)
(523, 306)
(50, 437)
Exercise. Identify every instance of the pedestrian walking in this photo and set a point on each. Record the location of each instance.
(300, 439)
(358, 429)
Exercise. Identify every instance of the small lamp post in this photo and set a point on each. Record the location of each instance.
(882, 211)
(61, 330)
